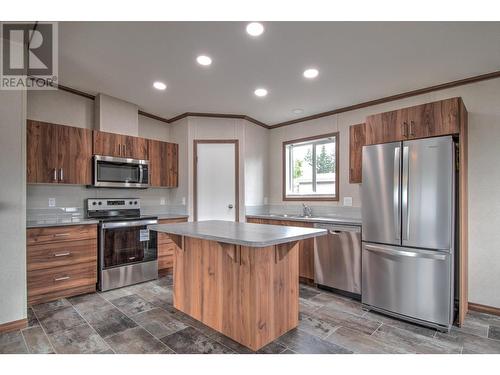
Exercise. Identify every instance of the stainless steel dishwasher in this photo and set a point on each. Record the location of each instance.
(337, 258)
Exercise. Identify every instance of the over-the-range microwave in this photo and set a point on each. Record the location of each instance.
(115, 172)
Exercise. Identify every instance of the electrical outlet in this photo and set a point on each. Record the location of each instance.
(52, 202)
(347, 201)
(183, 201)
(162, 201)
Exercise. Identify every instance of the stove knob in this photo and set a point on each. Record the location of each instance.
(99, 203)
(130, 202)
(135, 202)
(94, 203)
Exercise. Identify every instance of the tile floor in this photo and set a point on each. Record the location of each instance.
(141, 319)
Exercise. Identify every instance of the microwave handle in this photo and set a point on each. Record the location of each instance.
(141, 173)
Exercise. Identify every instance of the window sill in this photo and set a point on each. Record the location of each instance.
(306, 198)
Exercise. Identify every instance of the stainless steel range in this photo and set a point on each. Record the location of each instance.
(127, 249)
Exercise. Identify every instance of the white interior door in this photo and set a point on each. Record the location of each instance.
(216, 181)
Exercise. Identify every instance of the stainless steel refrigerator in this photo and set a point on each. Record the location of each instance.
(408, 214)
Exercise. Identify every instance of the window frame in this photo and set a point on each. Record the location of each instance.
(284, 170)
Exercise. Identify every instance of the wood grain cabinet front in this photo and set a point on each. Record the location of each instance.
(119, 145)
(61, 262)
(163, 163)
(58, 153)
(306, 247)
(357, 139)
(166, 247)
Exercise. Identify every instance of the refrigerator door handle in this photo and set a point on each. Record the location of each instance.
(403, 253)
(405, 193)
(397, 199)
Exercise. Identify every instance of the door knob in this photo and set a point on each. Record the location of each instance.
(230, 205)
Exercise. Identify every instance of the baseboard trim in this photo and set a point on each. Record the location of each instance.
(484, 308)
(13, 326)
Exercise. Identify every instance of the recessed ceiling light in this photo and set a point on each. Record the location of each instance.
(298, 111)
(255, 28)
(159, 85)
(204, 60)
(311, 73)
(260, 92)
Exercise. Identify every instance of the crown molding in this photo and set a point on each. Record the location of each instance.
(386, 99)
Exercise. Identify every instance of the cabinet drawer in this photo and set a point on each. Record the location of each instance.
(60, 279)
(62, 233)
(58, 254)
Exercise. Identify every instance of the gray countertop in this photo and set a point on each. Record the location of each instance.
(246, 234)
(316, 219)
(58, 222)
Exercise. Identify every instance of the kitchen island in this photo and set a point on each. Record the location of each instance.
(240, 279)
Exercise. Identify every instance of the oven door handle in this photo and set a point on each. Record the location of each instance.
(125, 224)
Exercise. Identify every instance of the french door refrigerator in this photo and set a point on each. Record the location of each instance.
(408, 216)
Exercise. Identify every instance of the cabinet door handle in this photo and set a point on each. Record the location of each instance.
(61, 174)
(61, 234)
(61, 278)
(55, 174)
(62, 254)
(411, 128)
(123, 146)
(404, 129)
(119, 150)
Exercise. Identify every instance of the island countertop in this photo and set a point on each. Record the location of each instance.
(245, 234)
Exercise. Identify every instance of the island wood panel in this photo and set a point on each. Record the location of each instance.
(166, 247)
(357, 139)
(306, 247)
(248, 294)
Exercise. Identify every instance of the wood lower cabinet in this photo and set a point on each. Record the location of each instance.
(61, 262)
(58, 154)
(163, 163)
(306, 247)
(357, 139)
(166, 247)
(119, 145)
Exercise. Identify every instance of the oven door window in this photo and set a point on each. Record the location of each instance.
(118, 172)
(128, 245)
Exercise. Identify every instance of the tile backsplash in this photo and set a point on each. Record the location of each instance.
(70, 200)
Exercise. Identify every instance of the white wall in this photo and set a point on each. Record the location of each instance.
(483, 104)
(13, 206)
(116, 116)
(61, 107)
(153, 129)
(256, 156)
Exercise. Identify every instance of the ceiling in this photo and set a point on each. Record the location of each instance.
(357, 62)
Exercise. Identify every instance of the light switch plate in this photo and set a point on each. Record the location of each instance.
(162, 201)
(52, 202)
(183, 201)
(347, 201)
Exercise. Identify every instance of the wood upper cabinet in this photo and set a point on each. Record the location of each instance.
(163, 163)
(433, 119)
(385, 127)
(119, 145)
(357, 139)
(421, 121)
(58, 154)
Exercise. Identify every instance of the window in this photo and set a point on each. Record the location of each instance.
(310, 168)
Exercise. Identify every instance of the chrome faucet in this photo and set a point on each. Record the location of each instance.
(307, 211)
